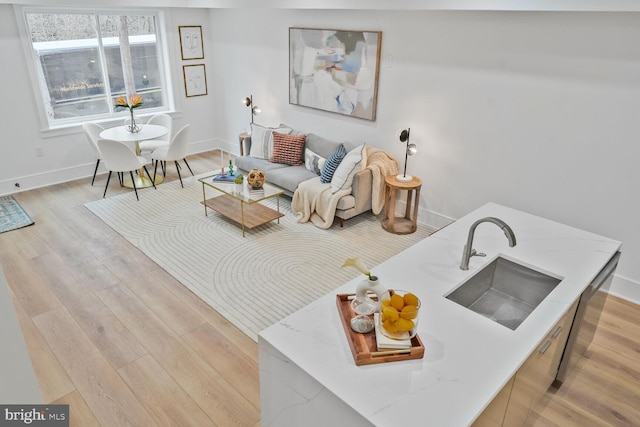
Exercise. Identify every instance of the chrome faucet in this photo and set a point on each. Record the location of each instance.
(468, 251)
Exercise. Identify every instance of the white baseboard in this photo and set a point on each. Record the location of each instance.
(211, 144)
(425, 216)
(58, 176)
(625, 288)
(45, 179)
(433, 219)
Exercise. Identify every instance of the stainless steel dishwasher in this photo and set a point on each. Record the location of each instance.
(586, 318)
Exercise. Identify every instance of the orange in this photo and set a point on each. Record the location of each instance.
(397, 302)
(409, 312)
(403, 325)
(390, 326)
(390, 313)
(411, 299)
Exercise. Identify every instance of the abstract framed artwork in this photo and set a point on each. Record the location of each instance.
(191, 42)
(335, 70)
(195, 80)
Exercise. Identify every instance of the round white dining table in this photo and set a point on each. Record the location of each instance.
(121, 134)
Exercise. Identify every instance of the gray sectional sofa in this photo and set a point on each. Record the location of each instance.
(288, 177)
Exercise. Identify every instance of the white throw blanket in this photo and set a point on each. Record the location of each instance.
(314, 201)
(381, 165)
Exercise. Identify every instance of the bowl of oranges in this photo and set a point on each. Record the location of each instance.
(399, 314)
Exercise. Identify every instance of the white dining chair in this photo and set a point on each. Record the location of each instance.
(176, 151)
(119, 158)
(161, 119)
(92, 130)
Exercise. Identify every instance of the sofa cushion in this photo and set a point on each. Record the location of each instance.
(262, 140)
(346, 202)
(313, 161)
(352, 163)
(332, 163)
(289, 177)
(321, 146)
(287, 149)
(246, 163)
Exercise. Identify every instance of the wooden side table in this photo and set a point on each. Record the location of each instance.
(397, 224)
(242, 137)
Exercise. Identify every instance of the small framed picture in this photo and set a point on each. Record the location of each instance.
(191, 42)
(195, 80)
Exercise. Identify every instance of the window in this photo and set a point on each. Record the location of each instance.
(85, 60)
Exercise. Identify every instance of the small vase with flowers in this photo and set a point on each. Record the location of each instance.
(133, 102)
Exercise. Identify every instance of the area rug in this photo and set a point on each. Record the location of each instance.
(253, 281)
(12, 216)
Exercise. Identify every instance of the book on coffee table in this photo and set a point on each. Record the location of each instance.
(225, 178)
(255, 190)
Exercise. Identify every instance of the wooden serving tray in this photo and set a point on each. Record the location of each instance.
(364, 347)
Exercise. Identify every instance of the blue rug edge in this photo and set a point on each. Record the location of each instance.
(25, 221)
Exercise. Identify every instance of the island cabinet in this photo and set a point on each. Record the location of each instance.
(493, 415)
(527, 387)
(19, 384)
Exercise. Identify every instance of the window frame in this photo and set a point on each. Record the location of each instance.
(165, 66)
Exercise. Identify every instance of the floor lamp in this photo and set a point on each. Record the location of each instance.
(248, 101)
(410, 150)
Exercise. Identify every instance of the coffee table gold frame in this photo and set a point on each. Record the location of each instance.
(237, 204)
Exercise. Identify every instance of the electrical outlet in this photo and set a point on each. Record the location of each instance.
(39, 151)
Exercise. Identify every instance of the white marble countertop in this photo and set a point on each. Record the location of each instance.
(18, 382)
(468, 358)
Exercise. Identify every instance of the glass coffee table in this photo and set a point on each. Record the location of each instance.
(240, 205)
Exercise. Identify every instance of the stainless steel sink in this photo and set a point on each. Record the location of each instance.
(504, 291)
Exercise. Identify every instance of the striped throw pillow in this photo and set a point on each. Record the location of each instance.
(262, 140)
(287, 149)
(332, 163)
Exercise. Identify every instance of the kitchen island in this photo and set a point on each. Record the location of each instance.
(307, 372)
(18, 382)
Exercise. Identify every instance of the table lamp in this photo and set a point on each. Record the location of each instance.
(410, 150)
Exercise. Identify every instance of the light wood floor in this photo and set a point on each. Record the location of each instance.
(123, 343)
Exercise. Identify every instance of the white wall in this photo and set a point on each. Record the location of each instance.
(533, 110)
(537, 111)
(66, 152)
